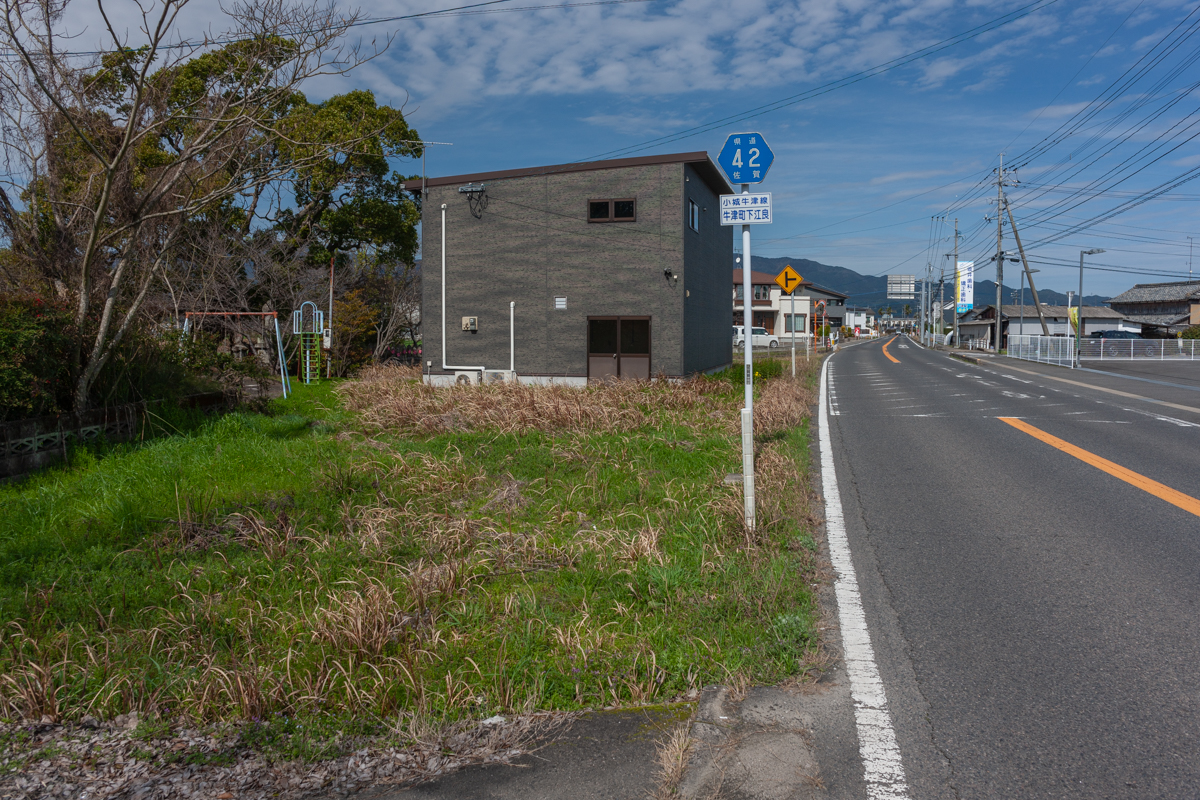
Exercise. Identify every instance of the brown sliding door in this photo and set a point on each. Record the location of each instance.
(618, 347)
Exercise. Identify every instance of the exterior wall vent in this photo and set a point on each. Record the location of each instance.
(560, 304)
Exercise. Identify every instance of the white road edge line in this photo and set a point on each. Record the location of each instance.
(882, 768)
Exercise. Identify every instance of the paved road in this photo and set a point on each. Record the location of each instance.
(1184, 373)
(1034, 617)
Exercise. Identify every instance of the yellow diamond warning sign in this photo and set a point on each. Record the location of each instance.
(789, 280)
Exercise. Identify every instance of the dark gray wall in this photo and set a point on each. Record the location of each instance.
(533, 243)
(707, 312)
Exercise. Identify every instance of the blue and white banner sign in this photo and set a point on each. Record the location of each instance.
(746, 209)
(964, 286)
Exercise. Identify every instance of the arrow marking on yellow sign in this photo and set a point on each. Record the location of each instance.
(789, 280)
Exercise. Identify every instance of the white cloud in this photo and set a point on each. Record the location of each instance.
(671, 46)
(1187, 162)
(914, 175)
(648, 124)
(1058, 111)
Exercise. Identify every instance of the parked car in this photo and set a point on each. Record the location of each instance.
(761, 337)
(1114, 335)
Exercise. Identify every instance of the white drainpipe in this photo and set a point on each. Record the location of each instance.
(444, 364)
(512, 336)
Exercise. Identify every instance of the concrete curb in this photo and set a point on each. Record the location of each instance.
(976, 360)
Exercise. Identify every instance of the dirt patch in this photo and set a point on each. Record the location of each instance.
(508, 497)
(95, 761)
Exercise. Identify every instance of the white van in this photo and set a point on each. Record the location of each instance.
(761, 337)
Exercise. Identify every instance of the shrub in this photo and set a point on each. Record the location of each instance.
(36, 378)
(1192, 332)
(35, 348)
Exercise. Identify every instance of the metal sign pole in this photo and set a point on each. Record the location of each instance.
(793, 333)
(745, 158)
(748, 408)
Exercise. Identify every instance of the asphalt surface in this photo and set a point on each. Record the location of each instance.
(1183, 373)
(607, 755)
(1034, 618)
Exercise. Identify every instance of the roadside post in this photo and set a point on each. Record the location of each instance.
(820, 307)
(789, 280)
(745, 159)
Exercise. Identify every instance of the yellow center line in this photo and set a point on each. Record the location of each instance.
(889, 355)
(1161, 491)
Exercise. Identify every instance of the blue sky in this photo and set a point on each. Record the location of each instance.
(543, 87)
(860, 170)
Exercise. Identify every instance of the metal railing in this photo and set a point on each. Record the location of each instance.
(1042, 349)
(1061, 349)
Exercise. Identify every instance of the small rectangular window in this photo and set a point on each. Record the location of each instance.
(693, 216)
(762, 292)
(624, 210)
(560, 304)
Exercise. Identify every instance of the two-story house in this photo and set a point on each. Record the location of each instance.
(771, 308)
(572, 273)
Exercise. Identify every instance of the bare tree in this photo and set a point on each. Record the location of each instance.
(111, 156)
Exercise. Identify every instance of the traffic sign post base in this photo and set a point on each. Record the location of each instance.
(748, 465)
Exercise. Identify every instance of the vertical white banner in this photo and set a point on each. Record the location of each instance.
(964, 286)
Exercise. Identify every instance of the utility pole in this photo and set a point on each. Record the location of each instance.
(941, 317)
(1189, 259)
(922, 312)
(1028, 274)
(957, 282)
(999, 250)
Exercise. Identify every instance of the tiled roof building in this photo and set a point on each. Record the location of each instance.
(1165, 305)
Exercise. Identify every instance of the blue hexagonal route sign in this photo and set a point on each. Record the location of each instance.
(745, 158)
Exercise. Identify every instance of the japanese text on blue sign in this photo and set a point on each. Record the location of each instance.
(747, 167)
(746, 209)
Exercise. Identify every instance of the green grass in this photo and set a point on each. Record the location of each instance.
(306, 576)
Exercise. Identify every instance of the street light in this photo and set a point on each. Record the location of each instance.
(1079, 320)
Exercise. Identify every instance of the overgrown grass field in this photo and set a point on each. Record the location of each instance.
(382, 549)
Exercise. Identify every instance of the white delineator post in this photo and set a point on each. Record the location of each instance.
(748, 409)
(793, 333)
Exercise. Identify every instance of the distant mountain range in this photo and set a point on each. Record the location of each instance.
(871, 290)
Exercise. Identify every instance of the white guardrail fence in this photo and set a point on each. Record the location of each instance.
(1061, 349)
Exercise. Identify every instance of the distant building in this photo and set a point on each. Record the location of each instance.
(772, 309)
(1166, 307)
(979, 323)
(616, 268)
(861, 318)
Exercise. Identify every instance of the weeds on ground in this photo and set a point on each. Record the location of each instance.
(398, 556)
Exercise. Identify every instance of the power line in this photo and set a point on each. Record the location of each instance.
(840, 83)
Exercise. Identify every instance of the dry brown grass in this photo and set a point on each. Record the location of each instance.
(363, 622)
(782, 404)
(394, 402)
(384, 372)
(672, 758)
